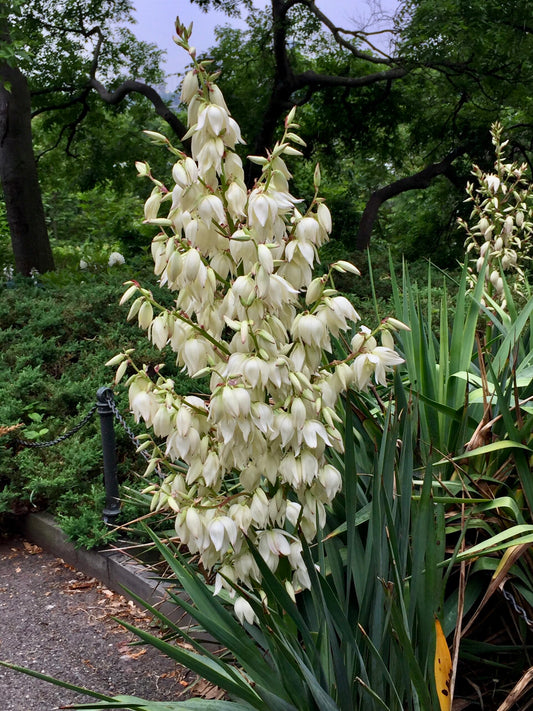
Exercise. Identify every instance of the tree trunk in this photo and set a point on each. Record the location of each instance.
(18, 176)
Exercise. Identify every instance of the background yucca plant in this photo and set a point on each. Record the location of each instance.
(472, 378)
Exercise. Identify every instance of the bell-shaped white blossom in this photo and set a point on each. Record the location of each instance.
(250, 457)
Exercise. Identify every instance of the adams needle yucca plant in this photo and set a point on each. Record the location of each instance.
(362, 636)
(334, 530)
(471, 377)
(501, 223)
(328, 580)
(246, 461)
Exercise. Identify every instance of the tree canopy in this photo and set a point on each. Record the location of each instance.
(58, 61)
(384, 123)
(420, 112)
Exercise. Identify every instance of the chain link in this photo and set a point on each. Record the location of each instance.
(518, 608)
(61, 438)
(131, 434)
(112, 406)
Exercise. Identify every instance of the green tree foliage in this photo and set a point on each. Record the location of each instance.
(386, 123)
(59, 57)
(93, 197)
(400, 119)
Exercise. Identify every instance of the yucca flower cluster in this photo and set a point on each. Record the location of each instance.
(502, 219)
(249, 459)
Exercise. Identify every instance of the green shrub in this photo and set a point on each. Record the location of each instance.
(56, 334)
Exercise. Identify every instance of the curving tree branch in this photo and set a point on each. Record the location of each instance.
(418, 181)
(338, 32)
(77, 99)
(131, 86)
(286, 82)
(311, 78)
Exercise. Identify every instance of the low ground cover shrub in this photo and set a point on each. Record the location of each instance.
(56, 332)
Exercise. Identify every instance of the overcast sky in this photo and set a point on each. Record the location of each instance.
(155, 23)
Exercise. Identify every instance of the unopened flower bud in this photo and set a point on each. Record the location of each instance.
(143, 169)
(483, 225)
(508, 225)
(157, 138)
(314, 290)
(387, 340)
(342, 266)
(484, 249)
(488, 233)
(151, 206)
(357, 342)
(174, 267)
(130, 291)
(146, 314)
(189, 87)
(397, 325)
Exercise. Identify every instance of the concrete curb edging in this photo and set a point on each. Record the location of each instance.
(111, 567)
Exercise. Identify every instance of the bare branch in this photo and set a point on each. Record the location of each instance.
(61, 29)
(96, 52)
(279, 27)
(311, 78)
(341, 41)
(73, 125)
(52, 147)
(285, 82)
(53, 90)
(61, 105)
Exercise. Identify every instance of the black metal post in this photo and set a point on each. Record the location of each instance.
(107, 429)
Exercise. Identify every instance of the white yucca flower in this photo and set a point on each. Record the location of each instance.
(248, 314)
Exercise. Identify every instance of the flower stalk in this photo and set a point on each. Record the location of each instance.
(249, 314)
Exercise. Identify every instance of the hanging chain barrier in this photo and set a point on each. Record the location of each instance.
(518, 608)
(119, 418)
(131, 434)
(88, 417)
(107, 411)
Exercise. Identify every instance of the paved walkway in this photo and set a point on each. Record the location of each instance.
(57, 621)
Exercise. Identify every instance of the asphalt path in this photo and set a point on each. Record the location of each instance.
(57, 621)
